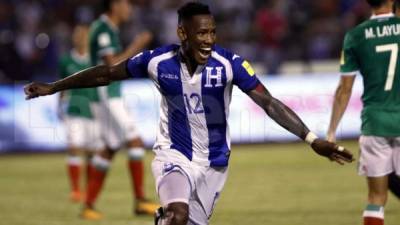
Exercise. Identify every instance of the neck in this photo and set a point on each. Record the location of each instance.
(81, 50)
(113, 19)
(191, 64)
(385, 9)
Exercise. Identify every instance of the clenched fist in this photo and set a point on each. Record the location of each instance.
(34, 90)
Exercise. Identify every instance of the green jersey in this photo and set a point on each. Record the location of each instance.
(77, 100)
(372, 48)
(104, 40)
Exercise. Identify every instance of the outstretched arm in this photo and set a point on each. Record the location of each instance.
(285, 117)
(279, 112)
(342, 97)
(91, 77)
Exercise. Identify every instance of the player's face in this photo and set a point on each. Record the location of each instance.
(198, 37)
(123, 9)
(80, 37)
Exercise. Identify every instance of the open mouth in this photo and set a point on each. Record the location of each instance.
(205, 52)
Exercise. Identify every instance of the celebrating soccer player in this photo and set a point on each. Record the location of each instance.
(195, 80)
(372, 49)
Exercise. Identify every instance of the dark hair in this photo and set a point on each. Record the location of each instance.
(376, 3)
(396, 5)
(191, 9)
(107, 5)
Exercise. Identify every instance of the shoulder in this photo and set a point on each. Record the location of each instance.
(97, 27)
(358, 32)
(223, 54)
(156, 55)
(162, 53)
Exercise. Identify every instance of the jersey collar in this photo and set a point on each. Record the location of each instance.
(380, 16)
(79, 58)
(106, 19)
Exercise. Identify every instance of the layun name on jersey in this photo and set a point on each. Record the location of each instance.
(382, 31)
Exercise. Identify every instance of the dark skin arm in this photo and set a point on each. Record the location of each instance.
(285, 117)
(92, 77)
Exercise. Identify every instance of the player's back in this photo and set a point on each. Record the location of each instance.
(373, 49)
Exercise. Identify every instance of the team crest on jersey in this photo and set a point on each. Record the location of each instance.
(246, 65)
(214, 73)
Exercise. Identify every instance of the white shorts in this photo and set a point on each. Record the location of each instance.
(83, 133)
(116, 123)
(379, 156)
(206, 184)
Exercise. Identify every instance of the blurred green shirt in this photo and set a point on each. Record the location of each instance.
(77, 100)
(104, 40)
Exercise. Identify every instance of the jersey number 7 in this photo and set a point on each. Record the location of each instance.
(393, 49)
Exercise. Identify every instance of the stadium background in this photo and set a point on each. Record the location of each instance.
(294, 46)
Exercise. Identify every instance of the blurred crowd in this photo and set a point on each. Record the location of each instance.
(34, 33)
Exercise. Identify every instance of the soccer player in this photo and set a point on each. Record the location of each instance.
(195, 80)
(75, 111)
(105, 48)
(372, 49)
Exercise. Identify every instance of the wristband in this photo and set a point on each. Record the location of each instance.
(311, 137)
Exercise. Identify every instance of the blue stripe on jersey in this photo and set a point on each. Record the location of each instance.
(214, 109)
(178, 124)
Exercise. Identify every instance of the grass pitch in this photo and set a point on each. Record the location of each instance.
(276, 184)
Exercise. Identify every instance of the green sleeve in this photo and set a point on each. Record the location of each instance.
(106, 43)
(348, 60)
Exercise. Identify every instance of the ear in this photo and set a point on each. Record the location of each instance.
(181, 33)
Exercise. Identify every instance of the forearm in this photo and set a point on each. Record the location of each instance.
(91, 77)
(285, 117)
(339, 107)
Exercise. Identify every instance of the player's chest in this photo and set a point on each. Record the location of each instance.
(205, 80)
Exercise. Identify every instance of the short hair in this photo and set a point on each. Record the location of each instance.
(376, 3)
(191, 9)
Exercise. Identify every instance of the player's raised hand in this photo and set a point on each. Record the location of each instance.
(332, 151)
(34, 90)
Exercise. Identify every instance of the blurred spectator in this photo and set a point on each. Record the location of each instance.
(33, 33)
(272, 27)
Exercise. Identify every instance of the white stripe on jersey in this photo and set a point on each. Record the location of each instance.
(163, 138)
(197, 121)
(152, 67)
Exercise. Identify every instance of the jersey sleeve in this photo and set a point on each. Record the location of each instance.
(137, 65)
(106, 44)
(348, 60)
(244, 75)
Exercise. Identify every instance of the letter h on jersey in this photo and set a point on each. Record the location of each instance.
(211, 76)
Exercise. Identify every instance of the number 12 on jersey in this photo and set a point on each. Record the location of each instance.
(393, 49)
(197, 107)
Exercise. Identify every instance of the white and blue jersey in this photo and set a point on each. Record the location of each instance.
(194, 109)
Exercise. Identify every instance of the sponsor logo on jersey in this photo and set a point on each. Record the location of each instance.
(246, 65)
(169, 76)
(104, 40)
